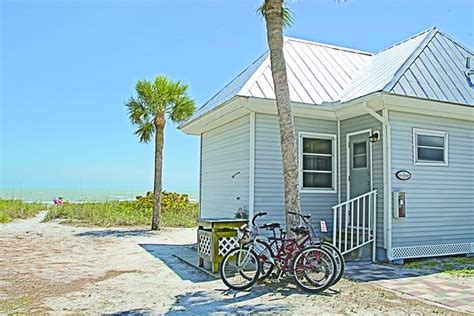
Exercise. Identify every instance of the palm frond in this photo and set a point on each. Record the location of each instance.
(145, 132)
(136, 111)
(287, 16)
(182, 109)
(155, 99)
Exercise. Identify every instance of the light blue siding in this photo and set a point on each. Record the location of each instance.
(439, 199)
(269, 186)
(354, 125)
(225, 151)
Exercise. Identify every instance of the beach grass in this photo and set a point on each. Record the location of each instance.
(177, 211)
(11, 210)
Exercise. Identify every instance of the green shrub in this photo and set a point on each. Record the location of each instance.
(14, 209)
(177, 211)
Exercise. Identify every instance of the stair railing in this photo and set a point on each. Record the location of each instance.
(355, 223)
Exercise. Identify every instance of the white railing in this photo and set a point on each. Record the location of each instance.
(355, 222)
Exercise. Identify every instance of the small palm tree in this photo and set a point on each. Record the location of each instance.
(148, 110)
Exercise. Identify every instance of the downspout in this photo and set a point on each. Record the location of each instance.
(252, 166)
(387, 166)
(200, 175)
(388, 195)
(339, 162)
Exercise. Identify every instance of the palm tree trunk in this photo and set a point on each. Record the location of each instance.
(159, 140)
(274, 23)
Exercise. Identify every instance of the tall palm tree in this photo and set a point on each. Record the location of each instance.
(148, 110)
(277, 16)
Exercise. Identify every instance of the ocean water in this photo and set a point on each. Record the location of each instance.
(47, 195)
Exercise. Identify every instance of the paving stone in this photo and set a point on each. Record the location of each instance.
(444, 289)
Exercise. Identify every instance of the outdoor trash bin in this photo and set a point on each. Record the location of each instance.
(215, 237)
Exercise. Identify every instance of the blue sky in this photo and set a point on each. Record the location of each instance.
(67, 67)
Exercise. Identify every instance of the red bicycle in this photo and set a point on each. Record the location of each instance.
(267, 247)
(312, 267)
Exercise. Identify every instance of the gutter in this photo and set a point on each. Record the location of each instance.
(387, 171)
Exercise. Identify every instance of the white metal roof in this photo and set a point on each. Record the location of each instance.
(429, 65)
(317, 72)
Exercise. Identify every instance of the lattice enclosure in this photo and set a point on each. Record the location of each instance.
(205, 244)
(432, 250)
(226, 244)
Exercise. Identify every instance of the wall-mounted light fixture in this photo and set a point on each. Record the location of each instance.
(374, 137)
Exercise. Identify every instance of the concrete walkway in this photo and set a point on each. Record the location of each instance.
(452, 291)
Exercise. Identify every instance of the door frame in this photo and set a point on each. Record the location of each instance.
(349, 157)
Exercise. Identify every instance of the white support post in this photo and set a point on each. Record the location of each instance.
(374, 245)
(358, 221)
(363, 219)
(340, 228)
(352, 225)
(345, 228)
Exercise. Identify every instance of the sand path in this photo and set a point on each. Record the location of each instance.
(56, 268)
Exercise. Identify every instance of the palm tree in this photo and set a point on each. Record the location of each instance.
(149, 110)
(277, 16)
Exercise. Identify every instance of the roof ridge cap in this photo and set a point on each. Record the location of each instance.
(430, 33)
(347, 49)
(456, 42)
(433, 28)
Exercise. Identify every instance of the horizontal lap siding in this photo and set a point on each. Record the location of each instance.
(354, 125)
(440, 199)
(269, 185)
(225, 151)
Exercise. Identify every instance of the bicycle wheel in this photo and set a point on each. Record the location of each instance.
(314, 269)
(340, 263)
(265, 255)
(240, 268)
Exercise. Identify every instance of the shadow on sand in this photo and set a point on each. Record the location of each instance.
(167, 254)
(221, 299)
(115, 233)
(240, 302)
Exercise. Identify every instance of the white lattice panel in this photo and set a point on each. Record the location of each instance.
(432, 250)
(205, 244)
(226, 244)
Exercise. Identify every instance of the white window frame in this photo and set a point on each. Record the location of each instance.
(333, 139)
(427, 132)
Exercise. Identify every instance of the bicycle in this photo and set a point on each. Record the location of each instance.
(313, 268)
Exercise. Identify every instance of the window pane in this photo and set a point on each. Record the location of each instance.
(317, 180)
(317, 163)
(430, 154)
(317, 146)
(360, 148)
(360, 162)
(434, 141)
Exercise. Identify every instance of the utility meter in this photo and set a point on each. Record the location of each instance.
(399, 205)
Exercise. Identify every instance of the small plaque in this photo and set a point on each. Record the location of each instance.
(324, 227)
(403, 175)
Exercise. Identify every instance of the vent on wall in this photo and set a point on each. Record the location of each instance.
(470, 70)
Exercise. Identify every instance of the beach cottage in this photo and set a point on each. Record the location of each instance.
(385, 144)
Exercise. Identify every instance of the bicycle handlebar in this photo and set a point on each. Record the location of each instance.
(257, 215)
(304, 217)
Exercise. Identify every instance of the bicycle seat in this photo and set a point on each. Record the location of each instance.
(271, 226)
(300, 230)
